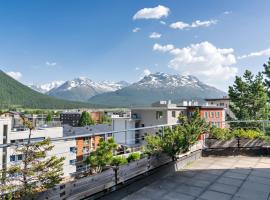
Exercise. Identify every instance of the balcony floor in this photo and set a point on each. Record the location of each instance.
(213, 178)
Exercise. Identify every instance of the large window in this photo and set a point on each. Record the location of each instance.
(173, 113)
(212, 114)
(159, 114)
(206, 115)
(217, 115)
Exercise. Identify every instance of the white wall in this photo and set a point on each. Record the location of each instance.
(61, 148)
(125, 138)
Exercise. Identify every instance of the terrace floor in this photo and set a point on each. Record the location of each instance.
(213, 178)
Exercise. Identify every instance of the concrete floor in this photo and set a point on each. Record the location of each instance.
(213, 178)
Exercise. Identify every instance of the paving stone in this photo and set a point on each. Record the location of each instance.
(235, 175)
(230, 181)
(251, 194)
(212, 195)
(228, 189)
(188, 189)
(241, 178)
(258, 179)
(175, 195)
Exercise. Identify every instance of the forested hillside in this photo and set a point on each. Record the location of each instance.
(15, 94)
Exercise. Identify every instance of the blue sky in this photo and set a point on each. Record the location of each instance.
(43, 41)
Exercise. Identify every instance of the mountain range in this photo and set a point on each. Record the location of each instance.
(151, 88)
(82, 89)
(158, 86)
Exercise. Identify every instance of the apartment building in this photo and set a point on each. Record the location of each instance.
(162, 112)
(222, 102)
(11, 133)
(87, 140)
(70, 118)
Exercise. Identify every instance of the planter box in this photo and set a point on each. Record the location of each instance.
(245, 143)
(92, 185)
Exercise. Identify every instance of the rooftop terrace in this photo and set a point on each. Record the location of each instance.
(211, 178)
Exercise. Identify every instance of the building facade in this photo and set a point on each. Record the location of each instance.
(87, 140)
(160, 113)
(70, 118)
(222, 102)
(11, 134)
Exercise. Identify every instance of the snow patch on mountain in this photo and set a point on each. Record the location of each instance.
(44, 88)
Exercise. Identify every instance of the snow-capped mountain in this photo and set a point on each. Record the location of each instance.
(82, 88)
(44, 88)
(162, 80)
(159, 86)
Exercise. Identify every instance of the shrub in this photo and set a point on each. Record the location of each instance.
(227, 134)
(119, 160)
(134, 156)
(179, 138)
(220, 133)
(248, 134)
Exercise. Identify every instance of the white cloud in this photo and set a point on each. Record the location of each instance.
(179, 25)
(165, 48)
(227, 12)
(182, 25)
(155, 35)
(146, 72)
(152, 13)
(162, 22)
(51, 63)
(204, 60)
(265, 52)
(15, 75)
(135, 30)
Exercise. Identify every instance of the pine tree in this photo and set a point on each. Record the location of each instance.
(249, 97)
(102, 156)
(35, 173)
(86, 119)
(267, 74)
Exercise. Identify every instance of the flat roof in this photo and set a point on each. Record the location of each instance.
(216, 99)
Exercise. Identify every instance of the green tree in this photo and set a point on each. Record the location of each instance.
(49, 117)
(267, 74)
(249, 100)
(119, 160)
(177, 139)
(102, 157)
(86, 119)
(249, 97)
(35, 173)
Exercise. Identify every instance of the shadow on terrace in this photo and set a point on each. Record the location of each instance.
(209, 178)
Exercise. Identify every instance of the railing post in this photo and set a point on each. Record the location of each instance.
(238, 142)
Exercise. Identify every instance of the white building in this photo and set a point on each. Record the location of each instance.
(160, 113)
(10, 134)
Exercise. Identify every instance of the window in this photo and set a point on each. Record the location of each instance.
(72, 149)
(12, 158)
(159, 114)
(72, 162)
(221, 104)
(206, 115)
(142, 125)
(217, 114)
(19, 157)
(211, 114)
(173, 114)
(109, 135)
